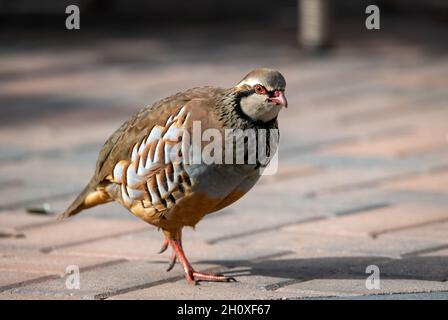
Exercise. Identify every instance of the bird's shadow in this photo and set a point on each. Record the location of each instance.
(429, 268)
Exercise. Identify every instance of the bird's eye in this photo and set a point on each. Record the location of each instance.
(259, 89)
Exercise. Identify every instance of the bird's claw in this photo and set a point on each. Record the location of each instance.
(172, 263)
(164, 246)
(194, 277)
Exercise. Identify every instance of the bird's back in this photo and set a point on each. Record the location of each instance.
(136, 166)
(119, 144)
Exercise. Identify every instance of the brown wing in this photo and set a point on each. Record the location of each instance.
(118, 146)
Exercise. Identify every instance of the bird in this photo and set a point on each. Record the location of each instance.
(147, 164)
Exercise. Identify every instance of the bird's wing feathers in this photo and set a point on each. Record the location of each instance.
(118, 145)
(138, 138)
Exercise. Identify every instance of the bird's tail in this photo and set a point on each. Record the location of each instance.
(88, 198)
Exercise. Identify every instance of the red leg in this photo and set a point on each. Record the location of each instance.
(173, 256)
(191, 275)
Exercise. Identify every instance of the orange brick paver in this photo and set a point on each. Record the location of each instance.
(362, 179)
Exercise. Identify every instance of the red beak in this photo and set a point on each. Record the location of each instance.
(279, 98)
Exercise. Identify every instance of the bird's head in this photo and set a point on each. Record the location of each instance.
(262, 94)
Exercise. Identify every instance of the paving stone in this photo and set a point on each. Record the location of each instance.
(251, 284)
(286, 171)
(420, 198)
(417, 267)
(19, 219)
(315, 245)
(71, 231)
(299, 268)
(59, 138)
(145, 245)
(204, 291)
(393, 146)
(104, 282)
(45, 264)
(347, 287)
(361, 178)
(433, 231)
(421, 112)
(375, 222)
(12, 296)
(435, 252)
(332, 180)
(21, 269)
(435, 182)
(405, 296)
(9, 278)
(59, 177)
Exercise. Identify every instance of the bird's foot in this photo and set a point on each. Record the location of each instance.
(194, 276)
(191, 275)
(164, 246)
(172, 262)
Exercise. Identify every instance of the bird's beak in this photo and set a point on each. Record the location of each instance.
(279, 99)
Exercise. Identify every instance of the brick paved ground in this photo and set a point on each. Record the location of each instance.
(363, 175)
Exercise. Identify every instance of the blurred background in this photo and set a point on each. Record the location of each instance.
(63, 92)
(363, 160)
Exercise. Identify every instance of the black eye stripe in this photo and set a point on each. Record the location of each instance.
(247, 93)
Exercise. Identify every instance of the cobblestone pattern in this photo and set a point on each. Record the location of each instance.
(363, 174)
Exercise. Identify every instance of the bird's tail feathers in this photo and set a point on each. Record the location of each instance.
(88, 198)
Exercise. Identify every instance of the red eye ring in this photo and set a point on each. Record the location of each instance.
(259, 89)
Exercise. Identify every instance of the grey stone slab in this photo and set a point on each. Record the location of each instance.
(398, 296)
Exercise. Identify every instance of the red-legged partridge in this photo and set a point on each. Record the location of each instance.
(149, 166)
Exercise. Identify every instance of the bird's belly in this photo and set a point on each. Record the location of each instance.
(218, 181)
(213, 187)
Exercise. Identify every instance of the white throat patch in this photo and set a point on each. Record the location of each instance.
(257, 108)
